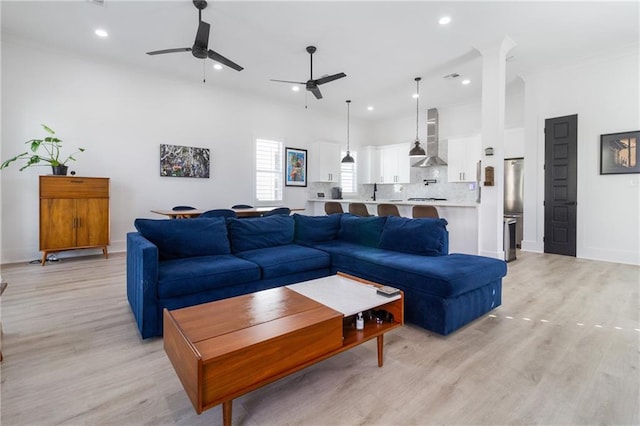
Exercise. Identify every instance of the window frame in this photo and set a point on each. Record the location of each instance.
(279, 172)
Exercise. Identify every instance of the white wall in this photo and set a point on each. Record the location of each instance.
(604, 93)
(121, 116)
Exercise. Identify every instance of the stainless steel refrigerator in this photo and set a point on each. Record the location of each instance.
(514, 193)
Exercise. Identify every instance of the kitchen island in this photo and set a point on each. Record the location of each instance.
(462, 218)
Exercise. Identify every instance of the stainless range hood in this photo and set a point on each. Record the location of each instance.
(432, 158)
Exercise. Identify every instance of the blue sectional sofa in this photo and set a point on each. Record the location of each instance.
(177, 263)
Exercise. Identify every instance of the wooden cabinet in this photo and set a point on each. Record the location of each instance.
(74, 214)
(464, 154)
(395, 166)
(325, 162)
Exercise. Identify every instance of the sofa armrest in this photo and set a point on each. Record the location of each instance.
(142, 284)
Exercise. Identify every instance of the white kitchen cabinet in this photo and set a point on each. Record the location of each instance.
(464, 154)
(394, 163)
(368, 165)
(324, 162)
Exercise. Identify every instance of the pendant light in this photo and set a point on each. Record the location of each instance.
(348, 158)
(417, 150)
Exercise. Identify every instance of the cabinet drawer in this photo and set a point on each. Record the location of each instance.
(73, 187)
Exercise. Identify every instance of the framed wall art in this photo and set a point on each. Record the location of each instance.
(184, 161)
(619, 153)
(296, 167)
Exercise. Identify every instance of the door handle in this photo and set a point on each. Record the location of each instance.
(570, 203)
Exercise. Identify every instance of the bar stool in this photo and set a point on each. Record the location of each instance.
(425, 211)
(331, 207)
(388, 210)
(358, 209)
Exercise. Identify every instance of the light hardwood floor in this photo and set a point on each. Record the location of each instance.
(564, 348)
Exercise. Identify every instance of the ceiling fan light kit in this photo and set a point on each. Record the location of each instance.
(348, 158)
(417, 150)
(200, 48)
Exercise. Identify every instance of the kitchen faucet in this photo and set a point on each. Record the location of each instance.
(375, 188)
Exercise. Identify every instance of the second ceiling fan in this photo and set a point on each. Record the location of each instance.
(311, 84)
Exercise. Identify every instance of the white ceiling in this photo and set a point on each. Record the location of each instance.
(381, 46)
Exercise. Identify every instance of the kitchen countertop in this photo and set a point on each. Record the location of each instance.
(399, 202)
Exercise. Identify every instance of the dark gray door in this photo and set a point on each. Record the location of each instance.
(560, 185)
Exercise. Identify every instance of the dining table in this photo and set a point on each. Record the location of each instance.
(242, 213)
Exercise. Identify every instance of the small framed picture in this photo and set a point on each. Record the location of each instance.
(296, 167)
(619, 153)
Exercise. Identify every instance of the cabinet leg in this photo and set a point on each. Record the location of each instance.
(380, 350)
(104, 251)
(44, 258)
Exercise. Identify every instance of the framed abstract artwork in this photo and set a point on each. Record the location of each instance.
(296, 167)
(619, 153)
(184, 161)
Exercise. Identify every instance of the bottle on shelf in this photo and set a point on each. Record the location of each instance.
(359, 322)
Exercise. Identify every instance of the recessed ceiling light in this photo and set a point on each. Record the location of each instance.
(295, 88)
(370, 108)
(415, 96)
(444, 20)
(217, 67)
(466, 81)
(102, 33)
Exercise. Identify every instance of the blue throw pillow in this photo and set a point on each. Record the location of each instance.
(261, 232)
(426, 236)
(316, 229)
(361, 230)
(177, 238)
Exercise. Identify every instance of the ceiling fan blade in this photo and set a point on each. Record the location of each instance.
(224, 61)
(179, 49)
(329, 78)
(202, 37)
(287, 81)
(316, 92)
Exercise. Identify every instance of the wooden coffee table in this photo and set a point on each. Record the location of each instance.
(224, 349)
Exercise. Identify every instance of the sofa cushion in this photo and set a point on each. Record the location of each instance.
(428, 236)
(443, 276)
(179, 277)
(361, 230)
(260, 232)
(315, 229)
(287, 259)
(179, 238)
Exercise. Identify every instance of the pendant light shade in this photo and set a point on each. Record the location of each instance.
(348, 158)
(417, 150)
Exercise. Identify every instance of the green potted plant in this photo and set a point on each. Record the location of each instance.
(51, 155)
